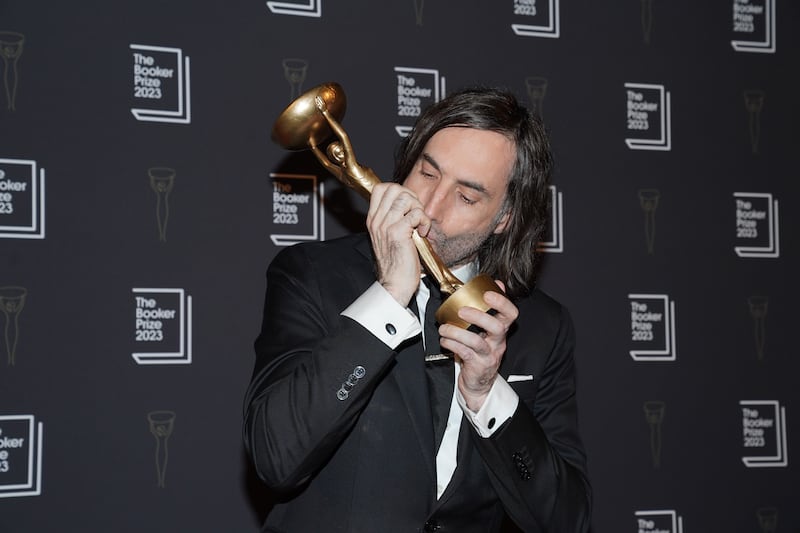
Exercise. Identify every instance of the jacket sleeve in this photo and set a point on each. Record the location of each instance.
(314, 371)
(536, 461)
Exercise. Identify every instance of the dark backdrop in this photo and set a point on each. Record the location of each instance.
(138, 214)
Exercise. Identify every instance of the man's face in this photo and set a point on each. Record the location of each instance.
(461, 180)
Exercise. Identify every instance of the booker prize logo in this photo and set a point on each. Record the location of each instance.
(764, 434)
(648, 117)
(757, 231)
(754, 26)
(554, 238)
(161, 84)
(11, 44)
(310, 8)
(20, 456)
(297, 209)
(536, 18)
(21, 199)
(162, 326)
(417, 88)
(663, 521)
(652, 327)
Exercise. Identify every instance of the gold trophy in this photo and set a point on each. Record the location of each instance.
(308, 122)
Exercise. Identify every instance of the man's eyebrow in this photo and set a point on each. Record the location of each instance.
(474, 185)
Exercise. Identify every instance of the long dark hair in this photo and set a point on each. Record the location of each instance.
(511, 255)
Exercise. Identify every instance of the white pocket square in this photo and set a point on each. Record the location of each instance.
(515, 377)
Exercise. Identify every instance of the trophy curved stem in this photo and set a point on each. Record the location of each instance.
(306, 123)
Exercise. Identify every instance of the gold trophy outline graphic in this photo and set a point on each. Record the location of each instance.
(12, 300)
(648, 199)
(11, 44)
(419, 6)
(162, 424)
(647, 20)
(767, 519)
(654, 415)
(162, 181)
(307, 123)
(294, 70)
(758, 311)
(754, 103)
(536, 87)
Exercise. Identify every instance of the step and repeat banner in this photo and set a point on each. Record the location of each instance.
(141, 199)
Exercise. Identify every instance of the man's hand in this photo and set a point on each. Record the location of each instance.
(394, 213)
(480, 353)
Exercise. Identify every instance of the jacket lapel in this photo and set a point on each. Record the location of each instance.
(409, 377)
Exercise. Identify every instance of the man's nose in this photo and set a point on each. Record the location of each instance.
(435, 204)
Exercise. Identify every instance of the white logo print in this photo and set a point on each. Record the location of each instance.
(648, 117)
(21, 199)
(162, 326)
(757, 232)
(764, 434)
(312, 8)
(540, 18)
(161, 84)
(20, 456)
(753, 19)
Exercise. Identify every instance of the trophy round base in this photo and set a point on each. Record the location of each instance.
(469, 295)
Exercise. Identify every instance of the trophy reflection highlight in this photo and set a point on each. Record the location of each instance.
(10, 48)
(767, 519)
(758, 310)
(307, 123)
(654, 415)
(294, 70)
(12, 300)
(648, 199)
(754, 103)
(162, 180)
(161, 425)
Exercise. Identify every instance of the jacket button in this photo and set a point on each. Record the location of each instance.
(431, 525)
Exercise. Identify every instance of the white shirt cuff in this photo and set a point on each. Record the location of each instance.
(498, 407)
(392, 323)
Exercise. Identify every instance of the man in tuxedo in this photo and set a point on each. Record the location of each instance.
(345, 419)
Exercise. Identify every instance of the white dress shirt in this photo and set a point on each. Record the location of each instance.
(499, 405)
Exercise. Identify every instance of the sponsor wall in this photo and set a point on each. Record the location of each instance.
(141, 199)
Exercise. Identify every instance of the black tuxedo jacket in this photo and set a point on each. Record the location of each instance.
(339, 427)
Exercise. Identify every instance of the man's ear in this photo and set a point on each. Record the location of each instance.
(501, 226)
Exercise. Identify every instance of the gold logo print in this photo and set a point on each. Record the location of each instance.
(648, 199)
(758, 310)
(654, 415)
(12, 300)
(10, 48)
(647, 19)
(419, 5)
(767, 519)
(294, 70)
(162, 424)
(536, 87)
(162, 180)
(754, 103)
